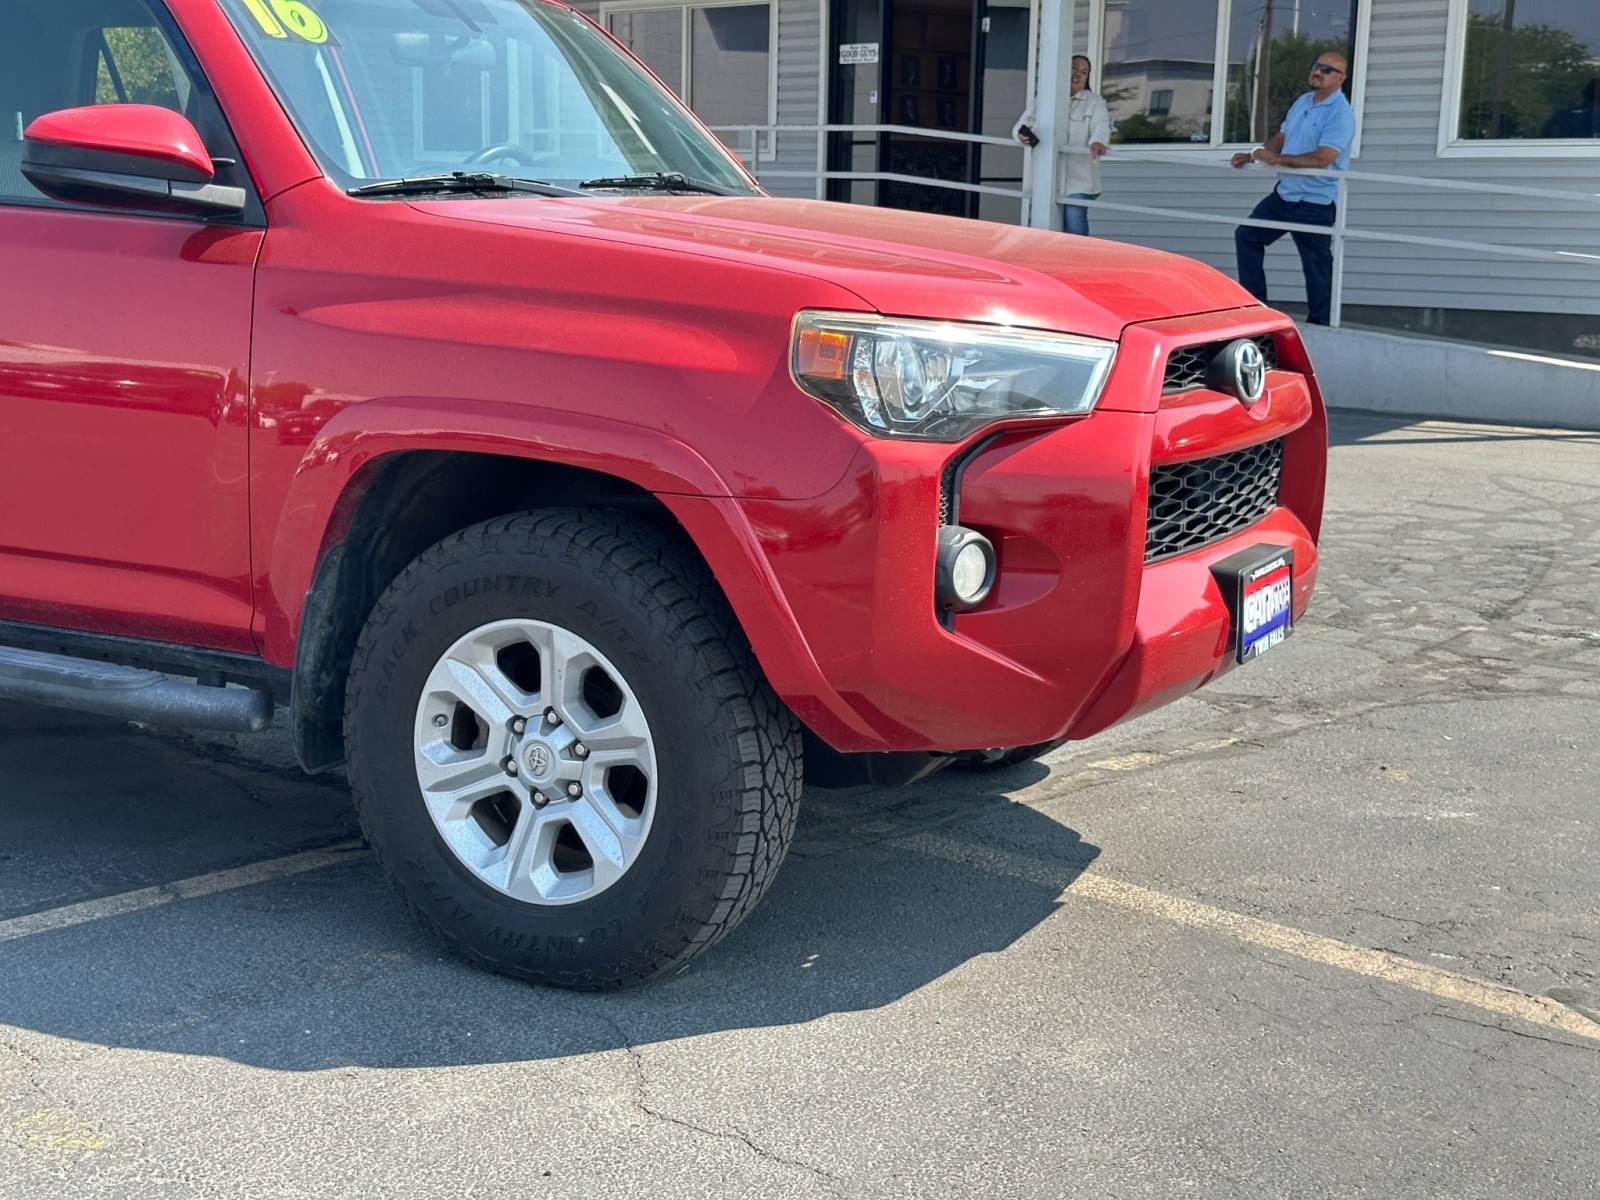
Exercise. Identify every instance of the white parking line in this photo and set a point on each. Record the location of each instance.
(1359, 960)
(1379, 964)
(183, 889)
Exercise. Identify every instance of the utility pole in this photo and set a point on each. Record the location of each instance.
(1497, 112)
(1262, 112)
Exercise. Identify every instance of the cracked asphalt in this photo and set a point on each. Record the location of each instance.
(1047, 981)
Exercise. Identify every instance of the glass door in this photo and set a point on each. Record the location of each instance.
(931, 85)
(1002, 95)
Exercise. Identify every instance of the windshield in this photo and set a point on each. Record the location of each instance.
(385, 89)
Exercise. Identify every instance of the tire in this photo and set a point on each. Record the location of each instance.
(1005, 756)
(657, 777)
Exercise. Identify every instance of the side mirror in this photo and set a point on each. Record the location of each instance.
(125, 156)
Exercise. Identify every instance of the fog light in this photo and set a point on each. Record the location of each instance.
(969, 579)
(964, 570)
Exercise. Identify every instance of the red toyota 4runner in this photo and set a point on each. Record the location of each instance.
(424, 368)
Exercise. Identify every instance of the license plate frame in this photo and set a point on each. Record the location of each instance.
(1258, 585)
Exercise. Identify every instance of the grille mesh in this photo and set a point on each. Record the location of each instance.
(947, 492)
(1194, 503)
(1186, 368)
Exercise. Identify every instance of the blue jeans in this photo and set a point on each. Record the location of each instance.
(1076, 218)
(1316, 251)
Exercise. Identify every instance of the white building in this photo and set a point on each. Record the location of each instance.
(1502, 92)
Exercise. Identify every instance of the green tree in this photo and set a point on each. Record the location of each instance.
(1138, 126)
(136, 58)
(1142, 127)
(1514, 78)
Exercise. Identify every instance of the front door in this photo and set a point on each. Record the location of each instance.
(930, 84)
(1002, 97)
(940, 66)
(124, 357)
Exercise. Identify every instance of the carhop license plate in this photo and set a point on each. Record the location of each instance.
(1258, 584)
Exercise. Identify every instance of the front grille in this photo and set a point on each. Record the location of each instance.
(1194, 503)
(1186, 368)
(947, 492)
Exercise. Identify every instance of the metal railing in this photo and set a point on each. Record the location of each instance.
(753, 153)
(1341, 231)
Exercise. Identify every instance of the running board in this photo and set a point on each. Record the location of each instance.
(129, 692)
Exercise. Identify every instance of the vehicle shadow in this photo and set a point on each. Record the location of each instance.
(884, 893)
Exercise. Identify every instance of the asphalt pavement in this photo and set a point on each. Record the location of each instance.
(1329, 928)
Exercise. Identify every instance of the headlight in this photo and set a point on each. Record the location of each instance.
(940, 381)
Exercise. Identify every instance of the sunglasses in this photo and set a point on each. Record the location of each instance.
(1325, 69)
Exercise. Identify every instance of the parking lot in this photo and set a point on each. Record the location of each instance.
(1331, 927)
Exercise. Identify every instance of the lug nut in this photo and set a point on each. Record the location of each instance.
(552, 716)
(574, 790)
(519, 725)
(580, 749)
(510, 765)
(540, 799)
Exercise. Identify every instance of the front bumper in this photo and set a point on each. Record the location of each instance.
(1079, 631)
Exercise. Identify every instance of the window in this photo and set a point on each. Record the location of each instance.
(415, 87)
(715, 57)
(1529, 71)
(57, 56)
(1156, 48)
(134, 66)
(1214, 71)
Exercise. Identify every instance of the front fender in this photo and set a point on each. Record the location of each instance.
(328, 481)
(333, 475)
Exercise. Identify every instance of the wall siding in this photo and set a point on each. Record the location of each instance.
(1404, 80)
(799, 91)
(801, 75)
(1399, 119)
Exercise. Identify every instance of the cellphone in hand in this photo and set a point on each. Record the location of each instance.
(1027, 135)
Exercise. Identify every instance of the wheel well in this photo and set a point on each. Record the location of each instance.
(403, 505)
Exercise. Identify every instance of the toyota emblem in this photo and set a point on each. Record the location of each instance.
(1240, 369)
(1249, 372)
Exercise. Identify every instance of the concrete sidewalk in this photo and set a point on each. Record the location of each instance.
(1404, 374)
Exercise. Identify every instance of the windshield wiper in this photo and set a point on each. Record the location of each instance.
(662, 181)
(461, 181)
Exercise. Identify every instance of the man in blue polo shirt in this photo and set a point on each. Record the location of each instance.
(1317, 133)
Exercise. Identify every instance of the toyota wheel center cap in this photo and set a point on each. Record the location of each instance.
(539, 760)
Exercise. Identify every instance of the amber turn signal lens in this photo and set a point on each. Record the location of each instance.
(822, 354)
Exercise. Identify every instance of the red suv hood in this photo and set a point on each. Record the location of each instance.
(898, 262)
